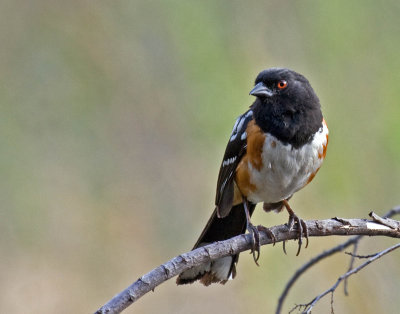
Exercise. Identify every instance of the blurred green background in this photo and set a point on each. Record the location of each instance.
(114, 119)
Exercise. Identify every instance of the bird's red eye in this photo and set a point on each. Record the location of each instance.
(282, 84)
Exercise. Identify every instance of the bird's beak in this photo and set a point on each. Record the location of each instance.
(261, 90)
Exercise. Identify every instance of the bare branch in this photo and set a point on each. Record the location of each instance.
(175, 266)
(308, 265)
(308, 307)
(385, 221)
(361, 256)
(353, 255)
(339, 248)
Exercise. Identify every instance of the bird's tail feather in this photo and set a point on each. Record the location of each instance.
(218, 229)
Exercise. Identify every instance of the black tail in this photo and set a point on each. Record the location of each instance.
(218, 229)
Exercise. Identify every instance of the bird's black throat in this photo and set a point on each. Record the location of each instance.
(291, 123)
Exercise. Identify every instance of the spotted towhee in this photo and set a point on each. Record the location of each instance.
(275, 149)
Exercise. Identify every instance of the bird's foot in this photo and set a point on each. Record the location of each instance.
(255, 234)
(255, 241)
(301, 226)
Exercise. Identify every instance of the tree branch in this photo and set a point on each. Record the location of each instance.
(309, 306)
(352, 259)
(316, 228)
(352, 241)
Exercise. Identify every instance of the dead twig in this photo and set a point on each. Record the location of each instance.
(339, 248)
(361, 256)
(353, 255)
(309, 306)
(175, 266)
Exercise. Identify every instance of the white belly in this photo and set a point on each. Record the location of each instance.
(285, 169)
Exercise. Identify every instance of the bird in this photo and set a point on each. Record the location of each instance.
(275, 149)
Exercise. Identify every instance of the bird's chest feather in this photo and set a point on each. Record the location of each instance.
(276, 171)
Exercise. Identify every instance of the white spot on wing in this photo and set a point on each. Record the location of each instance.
(234, 127)
(223, 185)
(228, 161)
(250, 113)
(239, 125)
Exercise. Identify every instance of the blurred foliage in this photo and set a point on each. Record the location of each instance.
(114, 118)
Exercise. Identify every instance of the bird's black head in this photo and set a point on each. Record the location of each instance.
(286, 106)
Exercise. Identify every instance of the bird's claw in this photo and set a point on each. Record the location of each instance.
(302, 229)
(301, 226)
(255, 242)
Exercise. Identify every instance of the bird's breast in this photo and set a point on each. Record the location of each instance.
(272, 171)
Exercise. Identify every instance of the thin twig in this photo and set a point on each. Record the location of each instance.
(308, 307)
(361, 256)
(394, 211)
(308, 265)
(385, 221)
(355, 246)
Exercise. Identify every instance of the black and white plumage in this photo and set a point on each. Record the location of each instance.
(234, 152)
(275, 149)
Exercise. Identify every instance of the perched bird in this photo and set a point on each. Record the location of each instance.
(275, 149)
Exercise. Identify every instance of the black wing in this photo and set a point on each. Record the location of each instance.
(234, 152)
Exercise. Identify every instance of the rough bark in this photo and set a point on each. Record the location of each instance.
(316, 228)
